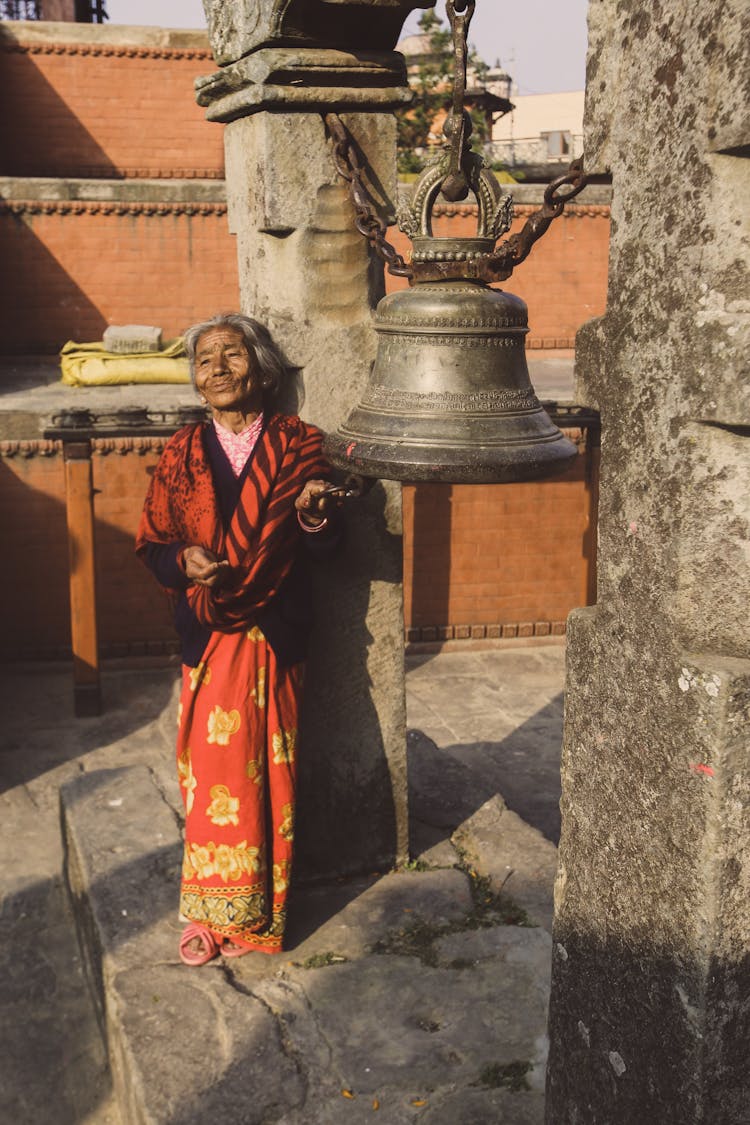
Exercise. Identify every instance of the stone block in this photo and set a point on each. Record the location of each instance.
(652, 924)
(127, 338)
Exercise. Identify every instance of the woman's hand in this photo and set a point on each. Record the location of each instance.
(311, 504)
(203, 567)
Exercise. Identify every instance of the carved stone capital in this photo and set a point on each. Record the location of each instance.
(239, 28)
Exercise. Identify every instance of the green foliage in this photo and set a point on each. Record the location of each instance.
(320, 960)
(414, 865)
(489, 908)
(504, 175)
(415, 940)
(492, 908)
(480, 131)
(432, 87)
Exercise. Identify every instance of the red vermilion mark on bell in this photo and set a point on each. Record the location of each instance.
(350, 448)
(698, 767)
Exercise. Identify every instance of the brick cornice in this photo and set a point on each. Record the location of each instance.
(117, 175)
(107, 207)
(506, 631)
(549, 343)
(108, 50)
(102, 447)
(35, 447)
(124, 445)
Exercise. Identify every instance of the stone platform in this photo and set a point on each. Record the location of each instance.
(411, 996)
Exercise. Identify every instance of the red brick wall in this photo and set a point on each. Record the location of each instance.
(103, 110)
(133, 614)
(493, 560)
(70, 269)
(73, 267)
(34, 559)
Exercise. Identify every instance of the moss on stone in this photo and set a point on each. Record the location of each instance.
(509, 1076)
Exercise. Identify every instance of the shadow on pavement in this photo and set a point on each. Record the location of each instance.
(52, 1052)
(448, 784)
(40, 731)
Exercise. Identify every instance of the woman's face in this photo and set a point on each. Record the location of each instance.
(226, 374)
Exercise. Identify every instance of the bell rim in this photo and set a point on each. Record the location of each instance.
(464, 465)
(539, 441)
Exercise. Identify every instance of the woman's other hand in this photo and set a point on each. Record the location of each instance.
(203, 567)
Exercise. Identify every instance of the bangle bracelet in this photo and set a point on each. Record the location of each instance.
(310, 528)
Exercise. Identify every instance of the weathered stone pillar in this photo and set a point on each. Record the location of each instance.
(650, 1012)
(307, 272)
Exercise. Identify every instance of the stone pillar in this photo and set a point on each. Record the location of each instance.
(650, 1010)
(307, 272)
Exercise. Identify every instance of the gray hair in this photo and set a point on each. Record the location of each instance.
(257, 340)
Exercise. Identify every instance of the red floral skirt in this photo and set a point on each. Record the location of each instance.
(236, 759)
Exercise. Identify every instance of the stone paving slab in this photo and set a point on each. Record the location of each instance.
(261, 1040)
(489, 722)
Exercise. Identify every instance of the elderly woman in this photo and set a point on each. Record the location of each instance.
(230, 505)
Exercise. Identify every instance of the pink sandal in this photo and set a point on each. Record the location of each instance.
(209, 947)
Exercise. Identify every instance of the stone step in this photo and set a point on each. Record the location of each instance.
(457, 816)
(396, 995)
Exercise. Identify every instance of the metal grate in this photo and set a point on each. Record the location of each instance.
(91, 11)
(83, 11)
(20, 9)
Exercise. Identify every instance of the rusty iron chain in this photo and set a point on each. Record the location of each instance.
(518, 246)
(366, 219)
(575, 176)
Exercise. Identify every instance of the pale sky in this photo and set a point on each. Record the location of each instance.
(541, 43)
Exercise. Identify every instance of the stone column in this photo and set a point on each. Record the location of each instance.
(307, 272)
(650, 1011)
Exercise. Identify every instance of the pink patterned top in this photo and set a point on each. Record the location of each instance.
(238, 447)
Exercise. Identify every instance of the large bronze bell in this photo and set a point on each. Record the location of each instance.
(449, 396)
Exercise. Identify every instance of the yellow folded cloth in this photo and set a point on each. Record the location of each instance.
(89, 365)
